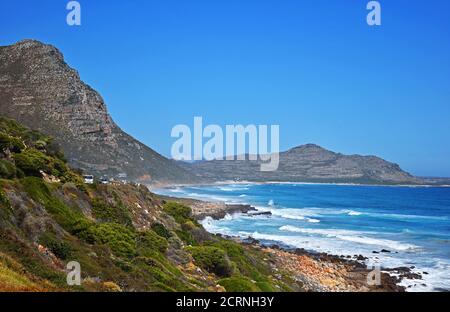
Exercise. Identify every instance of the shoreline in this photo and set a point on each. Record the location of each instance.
(319, 272)
(221, 183)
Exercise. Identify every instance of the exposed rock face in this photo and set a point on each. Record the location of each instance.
(309, 163)
(40, 90)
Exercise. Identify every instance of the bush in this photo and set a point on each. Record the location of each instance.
(186, 237)
(238, 284)
(5, 206)
(3, 198)
(31, 162)
(120, 239)
(7, 169)
(39, 191)
(110, 213)
(59, 248)
(151, 241)
(161, 230)
(11, 143)
(179, 212)
(212, 259)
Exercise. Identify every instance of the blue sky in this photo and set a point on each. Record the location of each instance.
(314, 67)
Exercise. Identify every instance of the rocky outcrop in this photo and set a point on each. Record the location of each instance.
(40, 90)
(308, 163)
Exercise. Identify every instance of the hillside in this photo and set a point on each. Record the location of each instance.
(38, 89)
(124, 237)
(307, 163)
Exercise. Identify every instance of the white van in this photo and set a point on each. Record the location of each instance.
(88, 179)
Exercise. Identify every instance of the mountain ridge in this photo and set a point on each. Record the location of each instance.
(307, 163)
(39, 89)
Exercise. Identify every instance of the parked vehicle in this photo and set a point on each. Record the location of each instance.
(88, 179)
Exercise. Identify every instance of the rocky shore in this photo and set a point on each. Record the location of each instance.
(216, 210)
(316, 272)
(328, 273)
(320, 272)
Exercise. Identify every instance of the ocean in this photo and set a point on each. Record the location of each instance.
(412, 223)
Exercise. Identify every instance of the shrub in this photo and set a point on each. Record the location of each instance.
(60, 249)
(109, 213)
(11, 143)
(68, 218)
(186, 237)
(81, 228)
(3, 198)
(161, 230)
(179, 212)
(31, 162)
(151, 241)
(238, 284)
(248, 262)
(5, 206)
(7, 169)
(120, 239)
(212, 259)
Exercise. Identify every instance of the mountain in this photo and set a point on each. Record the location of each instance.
(38, 89)
(307, 163)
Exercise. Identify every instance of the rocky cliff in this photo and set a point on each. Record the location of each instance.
(41, 91)
(308, 163)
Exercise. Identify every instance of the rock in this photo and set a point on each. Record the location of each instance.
(385, 251)
(263, 213)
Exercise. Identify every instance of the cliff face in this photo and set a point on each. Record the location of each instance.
(309, 163)
(40, 90)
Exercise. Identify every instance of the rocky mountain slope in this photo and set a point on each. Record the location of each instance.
(40, 90)
(124, 237)
(308, 163)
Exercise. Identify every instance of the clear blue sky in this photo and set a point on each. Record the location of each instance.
(314, 67)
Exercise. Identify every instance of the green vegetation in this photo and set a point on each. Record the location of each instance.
(47, 220)
(11, 143)
(59, 248)
(161, 230)
(7, 169)
(104, 212)
(179, 212)
(119, 238)
(212, 259)
(149, 240)
(41, 192)
(238, 284)
(31, 162)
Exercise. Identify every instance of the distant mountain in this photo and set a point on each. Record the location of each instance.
(40, 90)
(308, 163)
